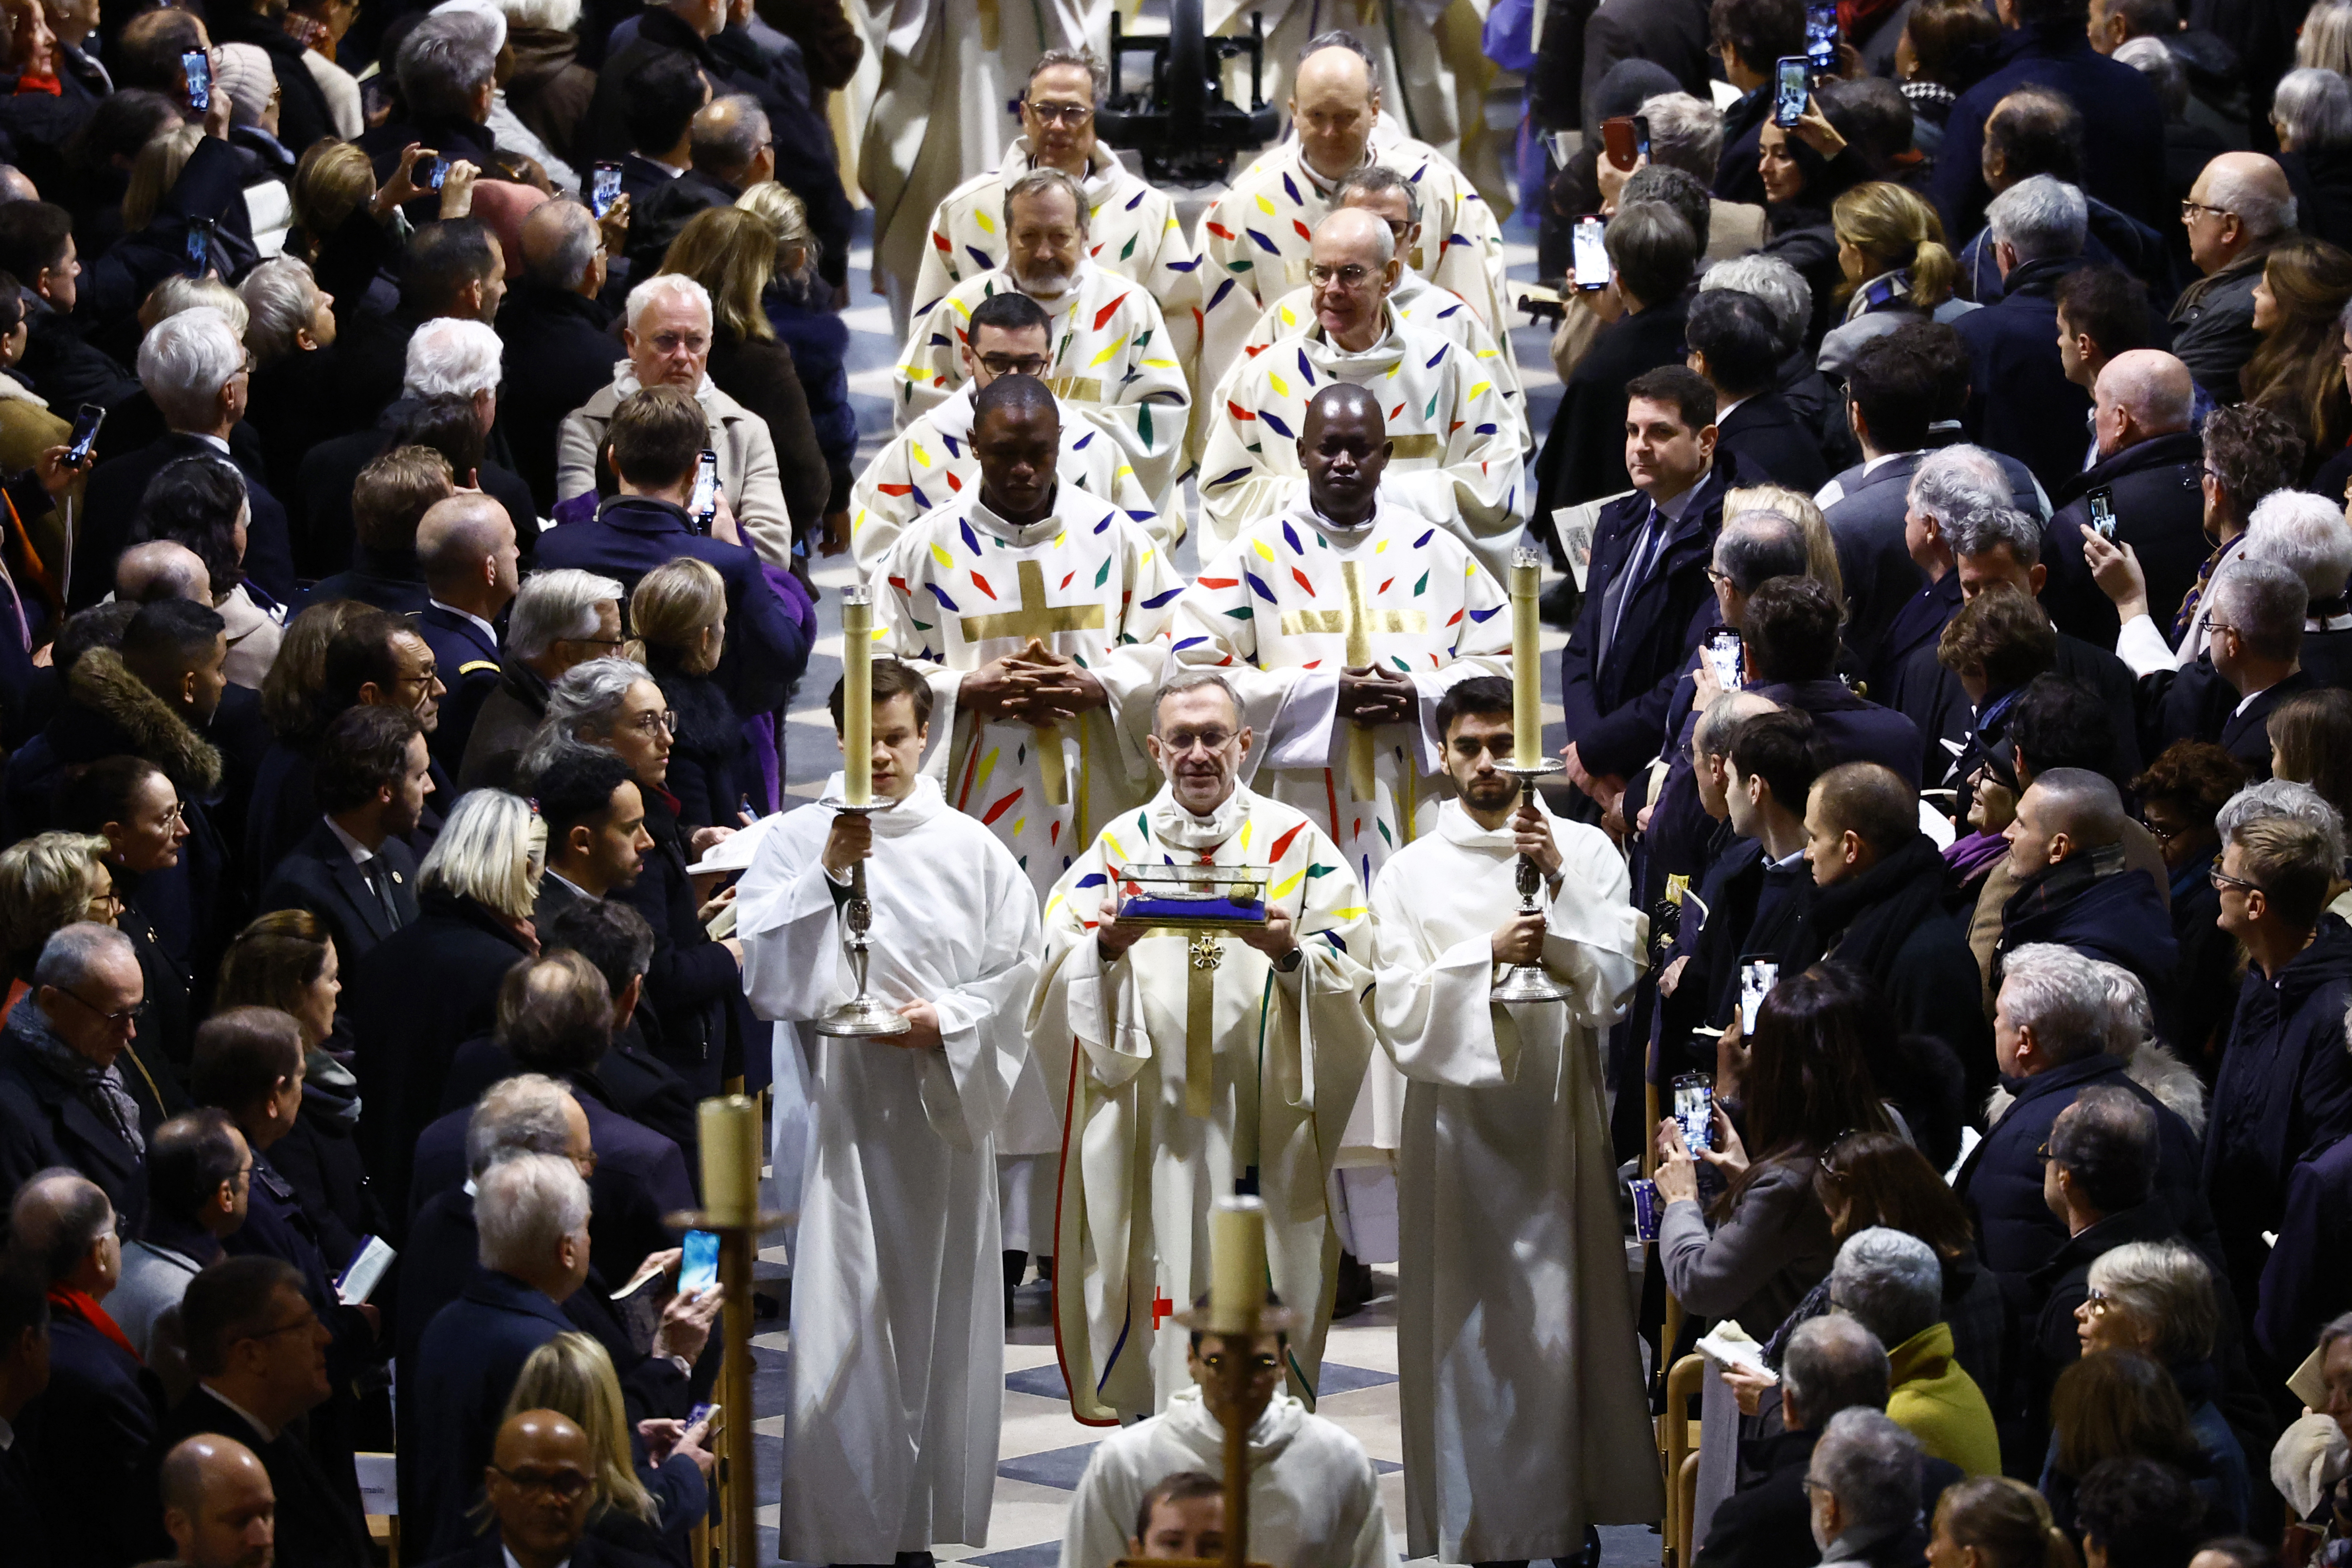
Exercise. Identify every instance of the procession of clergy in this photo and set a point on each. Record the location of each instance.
(1327, 703)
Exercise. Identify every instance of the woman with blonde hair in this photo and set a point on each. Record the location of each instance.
(1895, 266)
(2326, 39)
(2297, 370)
(642, 1505)
(731, 252)
(1993, 1522)
(680, 612)
(285, 959)
(47, 882)
(800, 307)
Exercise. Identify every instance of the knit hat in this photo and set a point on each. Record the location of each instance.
(244, 73)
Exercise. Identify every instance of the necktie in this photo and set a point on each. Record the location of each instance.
(1637, 565)
(379, 881)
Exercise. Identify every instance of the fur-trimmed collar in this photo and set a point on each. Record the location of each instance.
(100, 682)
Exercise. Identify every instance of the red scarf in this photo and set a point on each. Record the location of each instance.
(83, 1306)
(49, 84)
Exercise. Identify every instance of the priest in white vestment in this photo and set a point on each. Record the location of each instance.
(898, 1318)
(1111, 355)
(1343, 622)
(930, 464)
(1254, 239)
(1455, 452)
(1525, 1415)
(1314, 1497)
(1016, 602)
(948, 67)
(1132, 231)
(1197, 1066)
(1439, 312)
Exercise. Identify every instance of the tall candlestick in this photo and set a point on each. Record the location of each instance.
(729, 1127)
(1527, 683)
(858, 696)
(1236, 1264)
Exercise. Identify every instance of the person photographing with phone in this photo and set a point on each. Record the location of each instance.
(2149, 484)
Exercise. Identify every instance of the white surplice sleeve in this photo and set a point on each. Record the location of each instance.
(1435, 1007)
(981, 1035)
(1595, 941)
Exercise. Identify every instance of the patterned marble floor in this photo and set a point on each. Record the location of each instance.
(1044, 1450)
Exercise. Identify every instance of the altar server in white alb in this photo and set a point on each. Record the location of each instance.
(931, 463)
(1314, 1497)
(1525, 1416)
(1132, 231)
(1197, 1063)
(898, 1318)
(1456, 450)
(1112, 353)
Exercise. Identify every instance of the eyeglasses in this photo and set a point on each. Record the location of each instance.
(650, 724)
(596, 642)
(103, 903)
(2189, 209)
(672, 343)
(2161, 835)
(1015, 364)
(1179, 742)
(2215, 628)
(2099, 1301)
(307, 1321)
(2222, 881)
(130, 1014)
(567, 1485)
(1216, 1362)
(1072, 114)
(1350, 278)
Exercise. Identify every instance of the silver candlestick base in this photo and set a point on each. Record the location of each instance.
(1528, 982)
(862, 1016)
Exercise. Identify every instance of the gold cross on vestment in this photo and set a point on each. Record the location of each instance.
(1356, 622)
(1035, 618)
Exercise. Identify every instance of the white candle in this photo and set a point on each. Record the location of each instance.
(1236, 1264)
(1527, 681)
(858, 696)
(729, 1127)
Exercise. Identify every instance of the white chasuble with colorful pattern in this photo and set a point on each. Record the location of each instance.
(1189, 1064)
(1454, 454)
(962, 587)
(931, 464)
(1111, 355)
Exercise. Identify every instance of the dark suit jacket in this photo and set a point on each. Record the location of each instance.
(422, 993)
(1852, 728)
(466, 1365)
(44, 1123)
(503, 727)
(2020, 401)
(1881, 579)
(631, 535)
(315, 1523)
(90, 1440)
(331, 470)
(606, 132)
(2159, 511)
(693, 981)
(468, 661)
(2123, 128)
(23, 1511)
(68, 370)
(590, 1553)
(640, 1178)
(1771, 442)
(319, 876)
(1616, 702)
(111, 507)
(560, 350)
(666, 215)
(2245, 735)
(392, 581)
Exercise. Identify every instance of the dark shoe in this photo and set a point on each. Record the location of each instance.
(1016, 1265)
(1352, 1289)
(1045, 1266)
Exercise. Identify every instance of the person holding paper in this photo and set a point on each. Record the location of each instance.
(897, 1372)
(1513, 1449)
(1209, 1062)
